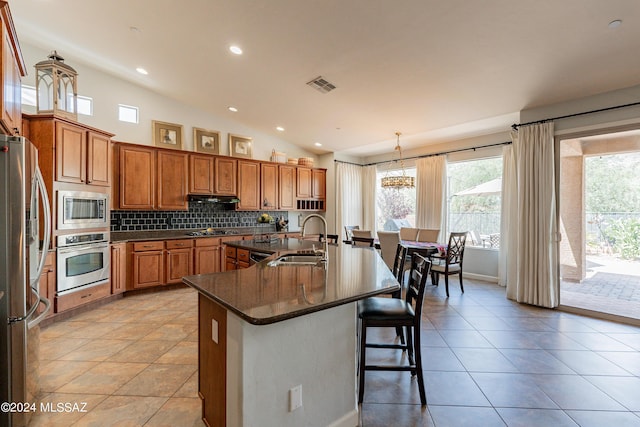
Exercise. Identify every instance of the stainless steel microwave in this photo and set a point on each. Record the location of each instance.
(82, 209)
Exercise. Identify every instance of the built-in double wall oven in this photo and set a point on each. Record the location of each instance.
(84, 260)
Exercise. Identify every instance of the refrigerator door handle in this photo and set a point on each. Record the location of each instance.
(32, 310)
(47, 306)
(47, 227)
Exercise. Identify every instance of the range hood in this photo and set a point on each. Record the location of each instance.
(214, 199)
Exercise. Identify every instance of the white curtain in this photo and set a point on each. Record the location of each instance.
(431, 178)
(369, 176)
(348, 196)
(530, 268)
(509, 209)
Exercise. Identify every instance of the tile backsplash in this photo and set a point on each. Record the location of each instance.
(199, 215)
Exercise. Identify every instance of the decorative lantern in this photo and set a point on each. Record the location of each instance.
(56, 87)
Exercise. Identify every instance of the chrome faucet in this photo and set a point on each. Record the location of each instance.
(325, 255)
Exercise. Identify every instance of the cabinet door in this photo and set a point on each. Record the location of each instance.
(71, 154)
(248, 185)
(148, 268)
(172, 180)
(319, 188)
(118, 268)
(287, 187)
(200, 174)
(10, 86)
(269, 186)
(179, 264)
(137, 177)
(98, 159)
(225, 176)
(47, 283)
(207, 260)
(303, 189)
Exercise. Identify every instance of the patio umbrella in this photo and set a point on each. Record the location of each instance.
(489, 188)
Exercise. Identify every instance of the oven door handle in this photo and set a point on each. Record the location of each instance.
(78, 248)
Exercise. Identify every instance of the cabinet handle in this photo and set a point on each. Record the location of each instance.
(147, 246)
(85, 296)
(179, 244)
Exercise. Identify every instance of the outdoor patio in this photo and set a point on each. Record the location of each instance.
(612, 286)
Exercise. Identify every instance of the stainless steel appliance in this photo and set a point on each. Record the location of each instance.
(83, 260)
(82, 209)
(255, 257)
(21, 263)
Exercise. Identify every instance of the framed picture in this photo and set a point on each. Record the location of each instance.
(206, 141)
(167, 135)
(240, 146)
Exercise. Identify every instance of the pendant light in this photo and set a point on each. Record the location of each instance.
(398, 181)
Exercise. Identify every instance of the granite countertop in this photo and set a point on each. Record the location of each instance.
(263, 294)
(133, 236)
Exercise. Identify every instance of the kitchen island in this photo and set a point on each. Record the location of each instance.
(265, 330)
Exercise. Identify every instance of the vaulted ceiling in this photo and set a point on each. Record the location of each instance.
(432, 69)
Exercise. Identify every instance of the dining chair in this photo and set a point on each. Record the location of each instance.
(362, 241)
(407, 233)
(388, 245)
(450, 262)
(428, 234)
(348, 230)
(395, 312)
(332, 238)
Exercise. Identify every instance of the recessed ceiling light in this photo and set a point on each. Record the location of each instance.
(142, 71)
(317, 144)
(233, 109)
(615, 23)
(280, 129)
(236, 50)
(134, 29)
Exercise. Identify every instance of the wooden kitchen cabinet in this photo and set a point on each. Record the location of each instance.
(82, 156)
(135, 177)
(47, 283)
(200, 174)
(13, 69)
(225, 176)
(287, 187)
(319, 183)
(172, 171)
(118, 268)
(178, 259)
(230, 253)
(99, 159)
(206, 255)
(303, 183)
(269, 186)
(248, 185)
(146, 264)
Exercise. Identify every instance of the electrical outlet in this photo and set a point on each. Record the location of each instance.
(295, 398)
(214, 330)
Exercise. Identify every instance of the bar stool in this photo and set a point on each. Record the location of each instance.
(395, 312)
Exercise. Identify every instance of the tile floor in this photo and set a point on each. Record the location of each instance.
(488, 361)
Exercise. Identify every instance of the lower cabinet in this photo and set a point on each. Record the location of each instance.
(206, 256)
(236, 258)
(47, 283)
(118, 268)
(147, 264)
(178, 260)
(83, 296)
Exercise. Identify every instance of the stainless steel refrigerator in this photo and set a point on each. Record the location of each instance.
(22, 197)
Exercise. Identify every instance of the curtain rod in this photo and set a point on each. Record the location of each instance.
(516, 126)
(441, 153)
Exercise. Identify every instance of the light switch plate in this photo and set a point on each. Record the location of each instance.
(214, 330)
(295, 398)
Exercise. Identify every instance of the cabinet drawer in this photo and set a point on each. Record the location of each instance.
(179, 244)
(211, 241)
(82, 296)
(243, 255)
(230, 251)
(148, 246)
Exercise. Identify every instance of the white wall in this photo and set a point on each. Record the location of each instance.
(108, 91)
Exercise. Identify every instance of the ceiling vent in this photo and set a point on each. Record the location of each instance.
(321, 85)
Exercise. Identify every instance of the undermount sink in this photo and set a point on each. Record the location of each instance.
(296, 259)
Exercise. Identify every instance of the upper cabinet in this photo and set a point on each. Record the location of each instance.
(287, 193)
(319, 183)
(311, 189)
(150, 178)
(303, 189)
(249, 185)
(13, 68)
(200, 174)
(269, 186)
(225, 176)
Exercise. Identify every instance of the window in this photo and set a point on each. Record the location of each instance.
(85, 105)
(28, 95)
(127, 113)
(395, 208)
(474, 200)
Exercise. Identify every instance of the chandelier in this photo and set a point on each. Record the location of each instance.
(398, 181)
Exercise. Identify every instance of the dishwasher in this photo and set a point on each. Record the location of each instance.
(255, 257)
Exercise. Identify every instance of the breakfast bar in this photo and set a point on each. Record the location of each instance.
(277, 340)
